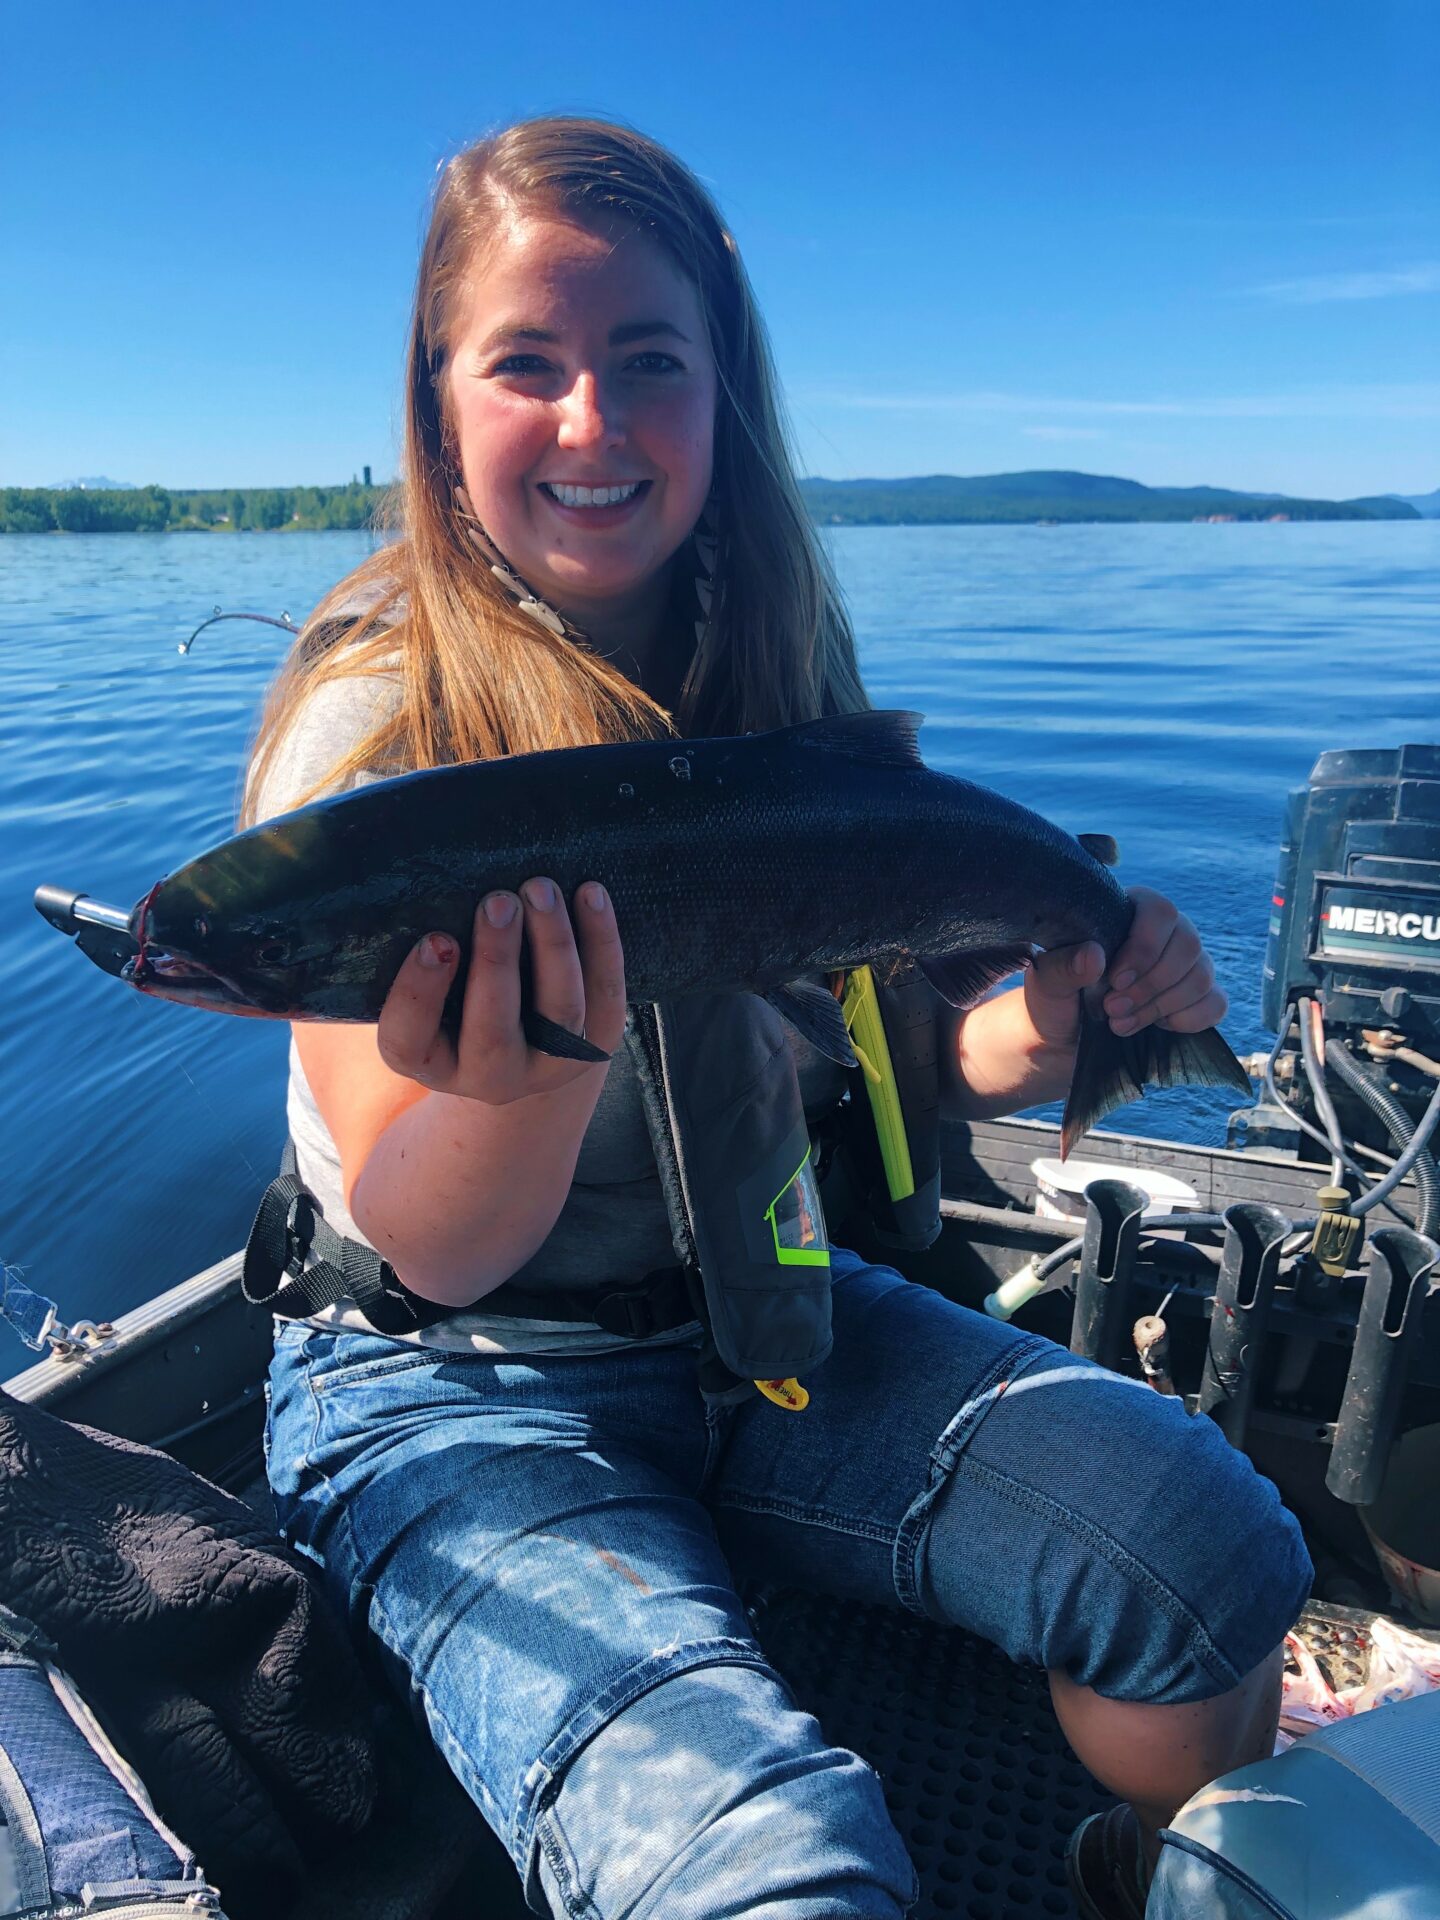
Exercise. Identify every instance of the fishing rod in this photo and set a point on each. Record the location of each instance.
(285, 624)
(104, 933)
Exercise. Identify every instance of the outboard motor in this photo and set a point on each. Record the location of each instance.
(1355, 926)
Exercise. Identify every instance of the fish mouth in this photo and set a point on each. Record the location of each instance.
(173, 976)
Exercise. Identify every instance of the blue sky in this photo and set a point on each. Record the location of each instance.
(1182, 243)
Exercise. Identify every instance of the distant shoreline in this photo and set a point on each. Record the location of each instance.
(348, 508)
(1007, 499)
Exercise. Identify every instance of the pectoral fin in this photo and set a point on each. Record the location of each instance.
(546, 1036)
(816, 1015)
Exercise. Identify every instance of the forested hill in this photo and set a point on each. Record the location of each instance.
(182, 510)
(935, 499)
(942, 498)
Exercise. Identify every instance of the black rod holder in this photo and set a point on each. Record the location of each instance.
(1103, 1317)
(1249, 1266)
(1391, 1314)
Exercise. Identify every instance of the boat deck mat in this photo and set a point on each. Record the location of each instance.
(978, 1778)
(977, 1775)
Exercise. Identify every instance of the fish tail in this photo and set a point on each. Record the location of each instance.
(1112, 1069)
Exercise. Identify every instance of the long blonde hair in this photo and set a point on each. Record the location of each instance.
(478, 677)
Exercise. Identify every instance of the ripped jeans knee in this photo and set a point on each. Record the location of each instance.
(714, 1797)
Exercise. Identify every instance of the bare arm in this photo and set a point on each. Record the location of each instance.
(994, 1061)
(457, 1159)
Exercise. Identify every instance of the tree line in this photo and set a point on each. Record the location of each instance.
(936, 500)
(900, 503)
(179, 510)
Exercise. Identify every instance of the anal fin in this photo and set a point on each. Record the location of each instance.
(963, 978)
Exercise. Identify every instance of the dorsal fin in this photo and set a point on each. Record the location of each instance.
(1100, 847)
(884, 739)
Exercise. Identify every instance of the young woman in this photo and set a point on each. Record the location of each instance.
(541, 1521)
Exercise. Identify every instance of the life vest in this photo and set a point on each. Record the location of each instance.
(737, 1170)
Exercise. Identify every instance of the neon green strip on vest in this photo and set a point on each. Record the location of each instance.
(861, 1007)
(795, 1256)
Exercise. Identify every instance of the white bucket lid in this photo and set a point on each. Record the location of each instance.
(1068, 1179)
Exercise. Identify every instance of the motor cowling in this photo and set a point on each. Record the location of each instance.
(1355, 915)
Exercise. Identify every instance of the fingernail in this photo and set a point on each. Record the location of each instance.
(1121, 1005)
(500, 908)
(1125, 979)
(540, 894)
(436, 950)
(593, 894)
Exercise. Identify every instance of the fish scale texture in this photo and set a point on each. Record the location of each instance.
(732, 863)
(197, 1639)
(977, 1776)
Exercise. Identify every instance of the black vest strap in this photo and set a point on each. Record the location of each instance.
(295, 1264)
(280, 1273)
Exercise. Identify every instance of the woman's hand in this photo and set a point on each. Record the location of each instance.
(580, 987)
(1161, 973)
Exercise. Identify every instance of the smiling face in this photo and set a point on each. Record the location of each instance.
(580, 390)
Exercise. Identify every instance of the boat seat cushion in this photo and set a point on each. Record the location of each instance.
(1345, 1823)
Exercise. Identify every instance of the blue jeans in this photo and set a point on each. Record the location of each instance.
(546, 1549)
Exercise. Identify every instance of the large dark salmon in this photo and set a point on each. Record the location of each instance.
(732, 863)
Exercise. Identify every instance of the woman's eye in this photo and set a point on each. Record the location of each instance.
(521, 363)
(656, 363)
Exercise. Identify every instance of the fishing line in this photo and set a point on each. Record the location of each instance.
(205, 1101)
(286, 625)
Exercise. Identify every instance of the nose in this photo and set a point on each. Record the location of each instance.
(589, 417)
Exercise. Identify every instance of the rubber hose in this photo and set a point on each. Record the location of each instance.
(1397, 1123)
(1319, 1092)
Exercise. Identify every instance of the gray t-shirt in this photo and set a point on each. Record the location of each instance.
(613, 1225)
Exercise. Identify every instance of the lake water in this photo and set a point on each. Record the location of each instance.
(1163, 684)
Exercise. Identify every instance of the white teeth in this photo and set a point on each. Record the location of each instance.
(591, 496)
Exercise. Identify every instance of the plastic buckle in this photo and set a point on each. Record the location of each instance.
(299, 1233)
(630, 1314)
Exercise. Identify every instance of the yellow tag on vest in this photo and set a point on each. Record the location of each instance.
(785, 1393)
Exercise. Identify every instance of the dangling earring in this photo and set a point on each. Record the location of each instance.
(524, 596)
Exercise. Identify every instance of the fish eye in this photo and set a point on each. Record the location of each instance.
(271, 954)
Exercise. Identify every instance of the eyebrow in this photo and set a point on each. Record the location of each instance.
(622, 336)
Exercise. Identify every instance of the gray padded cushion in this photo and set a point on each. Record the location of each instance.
(1343, 1824)
(1396, 1752)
